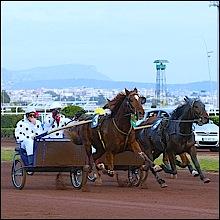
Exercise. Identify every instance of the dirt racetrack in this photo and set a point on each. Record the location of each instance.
(185, 197)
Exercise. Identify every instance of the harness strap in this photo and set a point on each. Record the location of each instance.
(100, 137)
(122, 132)
(99, 133)
(182, 134)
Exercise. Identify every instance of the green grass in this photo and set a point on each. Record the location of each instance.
(207, 163)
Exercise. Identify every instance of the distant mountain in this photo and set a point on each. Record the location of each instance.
(58, 72)
(77, 75)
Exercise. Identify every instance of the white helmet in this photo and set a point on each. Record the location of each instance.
(55, 105)
(30, 109)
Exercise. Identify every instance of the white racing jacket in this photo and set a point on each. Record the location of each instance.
(50, 123)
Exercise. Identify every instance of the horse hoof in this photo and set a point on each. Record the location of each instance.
(173, 176)
(206, 180)
(157, 168)
(110, 173)
(100, 166)
(163, 185)
(195, 173)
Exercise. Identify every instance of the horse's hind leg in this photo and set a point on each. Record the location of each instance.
(99, 152)
(89, 159)
(110, 165)
(100, 166)
(172, 159)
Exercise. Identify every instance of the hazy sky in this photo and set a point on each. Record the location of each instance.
(121, 38)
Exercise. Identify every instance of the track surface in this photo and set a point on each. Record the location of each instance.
(185, 197)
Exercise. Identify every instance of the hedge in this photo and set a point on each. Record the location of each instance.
(7, 133)
(10, 121)
(215, 119)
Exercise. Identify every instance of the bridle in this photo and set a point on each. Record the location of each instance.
(132, 109)
(197, 117)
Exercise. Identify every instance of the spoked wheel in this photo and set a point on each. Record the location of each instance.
(135, 175)
(92, 176)
(76, 177)
(18, 174)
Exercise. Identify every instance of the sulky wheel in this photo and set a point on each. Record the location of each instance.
(18, 174)
(92, 176)
(76, 176)
(135, 175)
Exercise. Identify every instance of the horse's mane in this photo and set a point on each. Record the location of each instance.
(115, 103)
(179, 110)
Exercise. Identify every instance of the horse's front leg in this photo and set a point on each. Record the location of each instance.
(193, 155)
(166, 160)
(186, 163)
(148, 164)
(172, 159)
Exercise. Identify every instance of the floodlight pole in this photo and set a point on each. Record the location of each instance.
(216, 3)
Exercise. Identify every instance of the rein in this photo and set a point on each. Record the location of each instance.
(122, 132)
(185, 121)
(182, 134)
(144, 126)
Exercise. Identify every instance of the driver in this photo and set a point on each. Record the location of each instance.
(25, 131)
(55, 120)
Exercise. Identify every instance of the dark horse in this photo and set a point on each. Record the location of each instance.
(114, 133)
(184, 159)
(174, 136)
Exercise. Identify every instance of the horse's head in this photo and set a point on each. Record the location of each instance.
(134, 103)
(198, 110)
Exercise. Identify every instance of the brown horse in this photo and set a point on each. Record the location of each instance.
(114, 133)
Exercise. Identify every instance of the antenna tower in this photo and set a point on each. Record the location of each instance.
(161, 90)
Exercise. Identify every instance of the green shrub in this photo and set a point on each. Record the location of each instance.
(71, 110)
(7, 133)
(10, 121)
(215, 119)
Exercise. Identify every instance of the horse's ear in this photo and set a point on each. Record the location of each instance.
(105, 106)
(135, 90)
(143, 100)
(126, 92)
(108, 100)
(186, 98)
